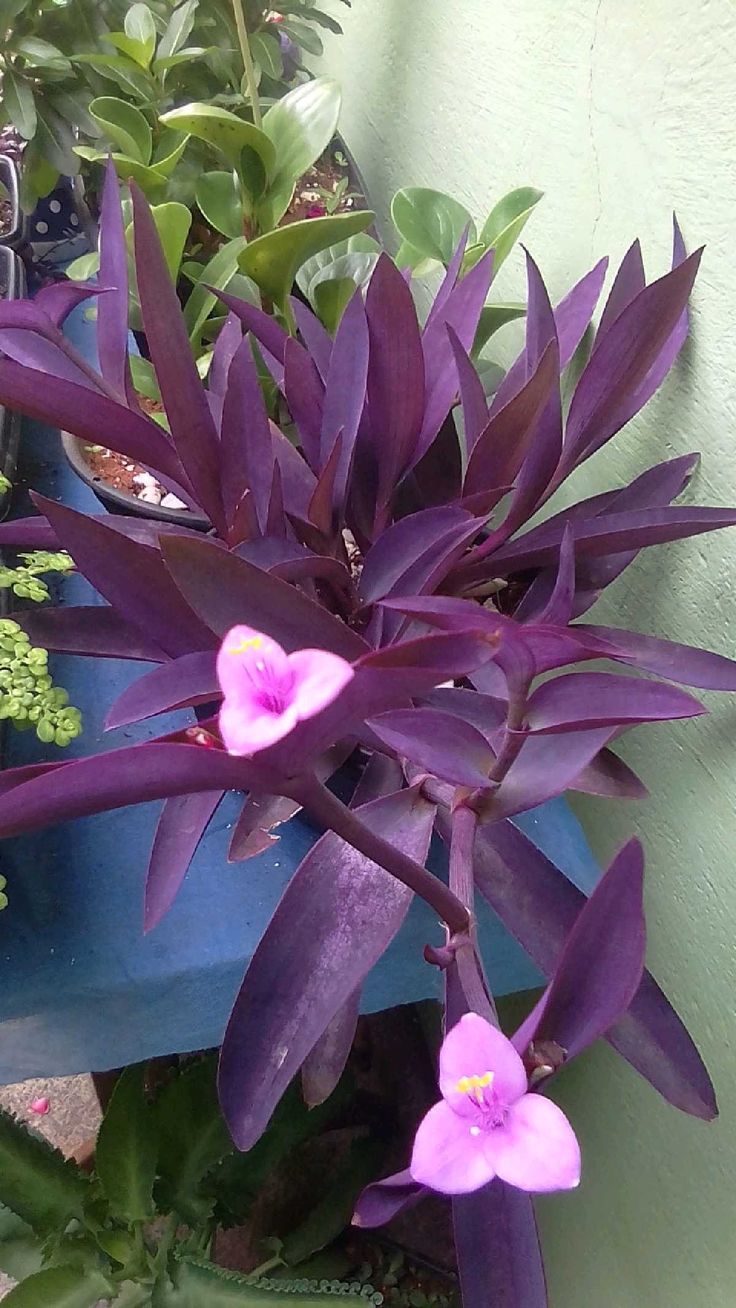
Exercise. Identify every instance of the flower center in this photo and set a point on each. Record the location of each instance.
(271, 690)
(490, 1111)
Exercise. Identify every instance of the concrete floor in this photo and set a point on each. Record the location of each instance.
(72, 1119)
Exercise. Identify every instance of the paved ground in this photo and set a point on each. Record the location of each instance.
(72, 1120)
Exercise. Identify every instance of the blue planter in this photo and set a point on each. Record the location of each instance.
(82, 988)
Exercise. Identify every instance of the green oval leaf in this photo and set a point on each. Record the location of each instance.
(41, 54)
(125, 1159)
(492, 317)
(218, 198)
(140, 27)
(266, 51)
(173, 221)
(218, 273)
(178, 30)
(507, 220)
(125, 125)
(301, 126)
(168, 153)
(222, 130)
(272, 260)
(304, 36)
(62, 1287)
(19, 104)
(430, 223)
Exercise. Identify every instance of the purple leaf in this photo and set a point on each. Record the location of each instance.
(539, 907)
(481, 711)
(226, 347)
(112, 308)
(180, 828)
(305, 396)
(461, 312)
(498, 1255)
(315, 336)
(224, 590)
(263, 325)
(664, 658)
(246, 457)
(323, 1067)
(449, 281)
(133, 775)
(627, 284)
(443, 744)
(299, 978)
(321, 505)
(546, 766)
(94, 630)
(297, 480)
(40, 352)
(382, 1200)
(184, 397)
(131, 577)
(395, 374)
(502, 447)
(582, 700)
(59, 298)
(601, 966)
(258, 817)
(188, 680)
(409, 554)
(606, 395)
(345, 392)
(71, 407)
(472, 393)
(607, 774)
(557, 611)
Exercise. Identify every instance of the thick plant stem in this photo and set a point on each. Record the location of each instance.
(462, 843)
(250, 72)
(328, 811)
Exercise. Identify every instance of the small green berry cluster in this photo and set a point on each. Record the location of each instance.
(3, 896)
(28, 696)
(25, 581)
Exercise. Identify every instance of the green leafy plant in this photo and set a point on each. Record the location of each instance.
(138, 1229)
(28, 696)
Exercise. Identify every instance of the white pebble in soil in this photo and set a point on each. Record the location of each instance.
(170, 501)
(145, 479)
(150, 495)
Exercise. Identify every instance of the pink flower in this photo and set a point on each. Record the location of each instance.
(488, 1125)
(40, 1107)
(316, 211)
(268, 691)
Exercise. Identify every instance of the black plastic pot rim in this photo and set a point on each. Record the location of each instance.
(10, 180)
(121, 502)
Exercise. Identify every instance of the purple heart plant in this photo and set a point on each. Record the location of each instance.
(370, 588)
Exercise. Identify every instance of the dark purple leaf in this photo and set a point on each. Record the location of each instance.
(263, 325)
(133, 775)
(226, 347)
(258, 817)
(607, 774)
(395, 374)
(498, 1255)
(321, 505)
(627, 284)
(502, 447)
(539, 907)
(472, 393)
(315, 336)
(546, 766)
(94, 630)
(183, 395)
(449, 281)
(444, 745)
(664, 658)
(557, 611)
(481, 711)
(246, 458)
(112, 308)
(601, 966)
(461, 312)
(131, 577)
(323, 1067)
(180, 828)
(224, 590)
(408, 554)
(382, 1200)
(305, 396)
(297, 479)
(63, 404)
(188, 680)
(338, 914)
(59, 298)
(42, 355)
(345, 392)
(582, 700)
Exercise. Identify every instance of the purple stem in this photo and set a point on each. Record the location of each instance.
(464, 827)
(328, 811)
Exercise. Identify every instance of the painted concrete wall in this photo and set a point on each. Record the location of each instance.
(619, 110)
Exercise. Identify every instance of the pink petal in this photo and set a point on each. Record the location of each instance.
(472, 1048)
(40, 1107)
(447, 1155)
(246, 728)
(318, 679)
(536, 1149)
(244, 655)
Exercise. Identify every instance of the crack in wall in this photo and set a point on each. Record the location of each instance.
(591, 127)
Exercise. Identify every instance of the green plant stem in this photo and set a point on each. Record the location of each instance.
(250, 72)
(265, 1268)
(331, 813)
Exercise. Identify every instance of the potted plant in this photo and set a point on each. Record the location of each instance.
(376, 587)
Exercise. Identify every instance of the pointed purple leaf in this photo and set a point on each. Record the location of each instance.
(472, 393)
(498, 1255)
(395, 374)
(502, 447)
(484, 712)
(246, 448)
(627, 284)
(299, 978)
(94, 630)
(607, 774)
(112, 308)
(226, 347)
(263, 325)
(59, 299)
(323, 1067)
(583, 700)
(450, 279)
(415, 551)
(382, 1200)
(558, 609)
(664, 658)
(345, 393)
(188, 680)
(315, 336)
(546, 766)
(184, 397)
(305, 396)
(444, 745)
(224, 590)
(180, 828)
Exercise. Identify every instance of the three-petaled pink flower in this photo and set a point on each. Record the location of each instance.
(488, 1125)
(267, 691)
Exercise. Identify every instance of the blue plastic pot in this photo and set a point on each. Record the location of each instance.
(82, 988)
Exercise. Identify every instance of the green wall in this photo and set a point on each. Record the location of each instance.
(619, 110)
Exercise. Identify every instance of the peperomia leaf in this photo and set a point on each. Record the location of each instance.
(127, 1148)
(224, 131)
(219, 200)
(273, 260)
(507, 220)
(430, 223)
(300, 126)
(125, 125)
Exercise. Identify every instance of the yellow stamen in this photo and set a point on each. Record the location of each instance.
(253, 642)
(474, 1085)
